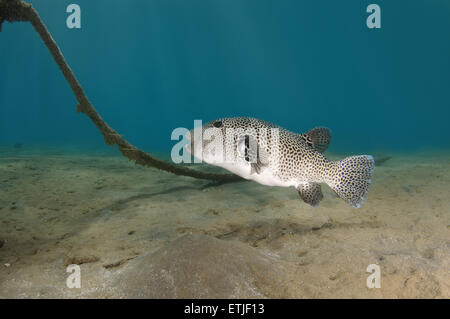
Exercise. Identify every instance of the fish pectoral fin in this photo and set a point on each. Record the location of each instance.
(252, 153)
(261, 162)
(311, 193)
(256, 168)
(318, 138)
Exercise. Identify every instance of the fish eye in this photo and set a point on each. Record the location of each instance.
(217, 124)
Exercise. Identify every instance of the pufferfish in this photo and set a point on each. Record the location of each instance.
(270, 155)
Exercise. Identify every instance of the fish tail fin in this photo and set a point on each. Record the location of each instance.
(350, 178)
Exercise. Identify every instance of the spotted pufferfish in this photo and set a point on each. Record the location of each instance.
(293, 160)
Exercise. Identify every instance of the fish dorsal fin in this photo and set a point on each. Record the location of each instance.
(318, 138)
(252, 153)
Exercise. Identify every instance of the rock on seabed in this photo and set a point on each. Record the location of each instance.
(200, 266)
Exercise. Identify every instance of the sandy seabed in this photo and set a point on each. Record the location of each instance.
(139, 232)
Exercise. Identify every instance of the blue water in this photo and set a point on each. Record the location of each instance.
(151, 66)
